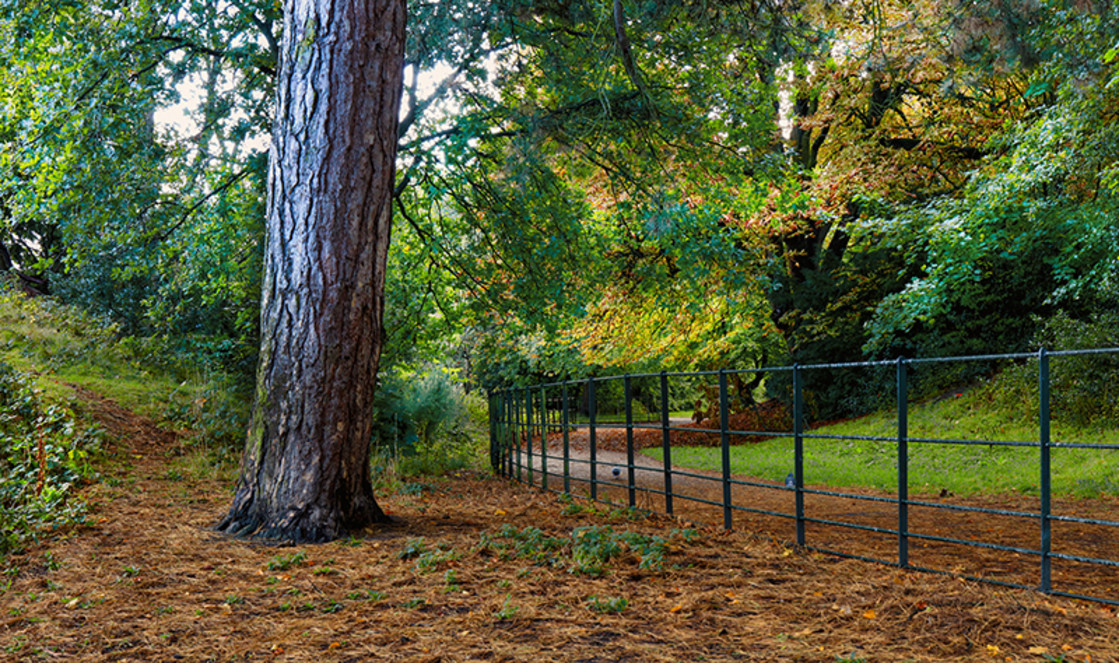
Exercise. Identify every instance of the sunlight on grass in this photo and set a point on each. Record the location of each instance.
(962, 469)
(60, 347)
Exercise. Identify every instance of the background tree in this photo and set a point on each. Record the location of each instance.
(305, 473)
(107, 207)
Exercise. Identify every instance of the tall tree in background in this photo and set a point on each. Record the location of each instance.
(305, 473)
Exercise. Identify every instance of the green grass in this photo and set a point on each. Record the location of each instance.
(60, 346)
(977, 413)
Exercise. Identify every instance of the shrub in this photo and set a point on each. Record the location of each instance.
(1083, 388)
(425, 423)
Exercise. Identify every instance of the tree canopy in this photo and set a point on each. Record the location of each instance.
(587, 186)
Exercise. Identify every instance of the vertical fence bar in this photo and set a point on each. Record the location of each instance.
(506, 446)
(528, 435)
(903, 463)
(631, 483)
(566, 440)
(543, 438)
(592, 410)
(518, 441)
(493, 412)
(1043, 434)
(798, 452)
(666, 443)
(502, 431)
(510, 431)
(724, 440)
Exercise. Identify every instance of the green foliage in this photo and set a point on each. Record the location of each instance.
(285, 562)
(594, 546)
(451, 581)
(154, 376)
(1082, 387)
(413, 548)
(607, 605)
(44, 457)
(424, 424)
(804, 183)
(821, 308)
(1033, 231)
(508, 610)
(115, 212)
(587, 550)
(530, 543)
(432, 560)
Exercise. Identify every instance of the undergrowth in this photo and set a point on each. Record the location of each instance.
(586, 550)
(425, 425)
(44, 456)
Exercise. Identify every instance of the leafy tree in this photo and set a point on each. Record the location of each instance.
(1033, 231)
(100, 204)
(583, 167)
(597, 186)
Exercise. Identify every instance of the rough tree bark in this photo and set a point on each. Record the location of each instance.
(305, 471)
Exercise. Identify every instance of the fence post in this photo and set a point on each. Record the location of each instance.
(1043, 433)
(592, 408)
(543, 438)
(492, 411)
(903, 463)
(798, 453)
(631, 484)
(724, 439)
(507, 434)
(666, 442)
(566, 441)
(528, 435)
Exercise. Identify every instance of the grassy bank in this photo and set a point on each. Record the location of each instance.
(62, 347)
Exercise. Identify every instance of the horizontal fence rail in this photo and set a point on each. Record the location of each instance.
(618, 441)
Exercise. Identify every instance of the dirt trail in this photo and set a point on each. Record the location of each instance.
(147, 580)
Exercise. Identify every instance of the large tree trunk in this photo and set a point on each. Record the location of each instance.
(305, 472)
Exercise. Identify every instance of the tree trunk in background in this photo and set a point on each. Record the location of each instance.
(305, 472)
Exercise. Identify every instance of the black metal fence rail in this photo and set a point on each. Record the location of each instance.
(533, 433)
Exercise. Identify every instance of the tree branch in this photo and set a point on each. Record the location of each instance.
(194, 47)
(627, 56)
(237, 177)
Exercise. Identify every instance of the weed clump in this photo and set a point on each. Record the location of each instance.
(586, 550)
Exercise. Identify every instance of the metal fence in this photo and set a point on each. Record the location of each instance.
(568, 437)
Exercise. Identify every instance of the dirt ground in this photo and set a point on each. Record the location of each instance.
(698, 496)
(147, 580)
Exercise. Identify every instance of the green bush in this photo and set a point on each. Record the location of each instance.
(425, 423)
(586, 550)
(1084, 389)
(43, 457)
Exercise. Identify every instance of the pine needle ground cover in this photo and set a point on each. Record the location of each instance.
(480, 569)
